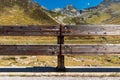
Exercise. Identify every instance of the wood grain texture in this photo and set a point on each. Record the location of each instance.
(29, 49)
(43, 30)
(89, 30)
(88, 49)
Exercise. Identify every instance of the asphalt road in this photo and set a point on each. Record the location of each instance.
(59, 78)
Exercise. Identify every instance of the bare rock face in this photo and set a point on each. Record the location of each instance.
(68, 10)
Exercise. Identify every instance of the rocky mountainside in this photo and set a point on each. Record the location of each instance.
(111, 7)
(23, 12)
(68, 10)
(108, 12)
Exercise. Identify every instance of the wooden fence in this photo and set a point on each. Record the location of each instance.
(60, 49)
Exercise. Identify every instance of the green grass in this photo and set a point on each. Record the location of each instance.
(16, 16)
(27, 40)
(92, 60)
(93, 40)
(97, 18)
(114, 20)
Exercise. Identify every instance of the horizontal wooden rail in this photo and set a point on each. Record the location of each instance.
(61, 49)
(88, 49)
(68, 30)
(29, 50)
(90, 30)
(54, 49)
(43, 30)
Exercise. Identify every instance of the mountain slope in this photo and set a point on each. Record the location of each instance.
(16, 16)
(22, 12)
(105, 13)
(109, 10)
(114, 11)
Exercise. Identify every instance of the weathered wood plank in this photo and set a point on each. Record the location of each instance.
(29, 50)
(91, 49)
(43, 30)
(82, 30)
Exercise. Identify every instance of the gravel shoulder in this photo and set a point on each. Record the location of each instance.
(60, 78)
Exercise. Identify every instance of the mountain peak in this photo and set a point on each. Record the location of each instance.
(69, 10)
(69, 6)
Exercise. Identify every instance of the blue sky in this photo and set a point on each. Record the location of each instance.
(79, 4)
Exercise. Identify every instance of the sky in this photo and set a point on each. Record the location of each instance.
(79, 4)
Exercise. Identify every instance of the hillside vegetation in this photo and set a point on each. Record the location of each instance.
(107, 12)
(16, 16)
(22, 12)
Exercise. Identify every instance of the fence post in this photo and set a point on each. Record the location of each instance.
(60, 39)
